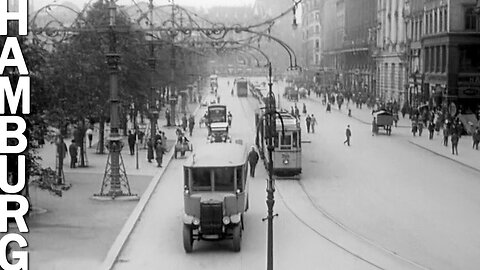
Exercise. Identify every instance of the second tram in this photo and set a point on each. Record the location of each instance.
(287, 154)
(242, 87)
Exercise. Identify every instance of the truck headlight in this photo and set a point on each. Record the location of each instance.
(226, 220)
(235, 218)
(196, 221)
(285, 161)
(187, 219)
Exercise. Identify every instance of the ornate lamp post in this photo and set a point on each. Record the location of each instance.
(115, 182)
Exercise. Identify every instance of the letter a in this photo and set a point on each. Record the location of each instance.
(11, 44)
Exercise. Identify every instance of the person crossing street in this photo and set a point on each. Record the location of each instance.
(313, 123)
(348, 134)
(308, 121)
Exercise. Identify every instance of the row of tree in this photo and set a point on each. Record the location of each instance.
(70, 85)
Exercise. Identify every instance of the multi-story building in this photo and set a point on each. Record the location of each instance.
(328, 20)
(311, 34)
(356, 64)
(346, 44)
(391, 58)
(413, 14)
(451, 42)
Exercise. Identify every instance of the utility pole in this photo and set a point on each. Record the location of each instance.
(270, 114)
(152, 64)
(115, 181)
(173, 94)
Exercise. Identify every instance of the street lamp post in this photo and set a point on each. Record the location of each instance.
(270, 182)
(115, 182)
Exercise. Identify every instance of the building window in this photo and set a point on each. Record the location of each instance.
(469, 58)
(435, 21)
(444, 59)
(316, 59)
(440, 20)
(317, 29)
(400, 76)
(437, 59)
(392, 76)
(445, 16)
(427, 59)
(470, 19)
(317, 45)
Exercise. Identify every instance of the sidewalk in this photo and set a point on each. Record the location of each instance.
(467, 156)
(76, 232)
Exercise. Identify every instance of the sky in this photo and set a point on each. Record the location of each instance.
(199, 3)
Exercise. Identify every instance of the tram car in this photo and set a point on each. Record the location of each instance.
(215, 194)
(287, 154)
(242, 87)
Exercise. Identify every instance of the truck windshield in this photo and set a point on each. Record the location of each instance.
(223, 178)
(217, 114)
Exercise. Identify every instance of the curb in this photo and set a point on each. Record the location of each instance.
(129, 225)
(444, 156)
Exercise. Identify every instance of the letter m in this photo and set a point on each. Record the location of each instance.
(13, 99)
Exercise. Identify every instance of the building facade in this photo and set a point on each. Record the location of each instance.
(390, 56)
(346, 61)
(311, 34)
(451, 54)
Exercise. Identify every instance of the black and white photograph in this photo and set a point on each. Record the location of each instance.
(240, 134)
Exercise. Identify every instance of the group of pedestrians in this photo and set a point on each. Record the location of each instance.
(156, 148)
(311, 122)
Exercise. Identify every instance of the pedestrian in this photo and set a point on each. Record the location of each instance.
(297, 112)
(159, 152)
(414, 127)
(348, 134)
(374, 126)
(313, 123)
(184, 122)
(292, 111)
(89, 133)
(191, 124)
(61, 149)
(445, 135)
(420, 128)
(304, 109)
(454, 140)
(476, 138)
(131, 142)
(308, 120)
(229, 119)
(150, 150)
(73, 149)
(431, 129)
(395, 118)
(141, 134)
(329, 109)
(167, 116)
(252, 160)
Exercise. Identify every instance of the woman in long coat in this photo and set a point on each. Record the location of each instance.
(150, 150)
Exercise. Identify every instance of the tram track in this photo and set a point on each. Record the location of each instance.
(346, 229)
(246, 106)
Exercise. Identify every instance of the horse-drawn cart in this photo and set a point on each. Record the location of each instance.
(383, 118)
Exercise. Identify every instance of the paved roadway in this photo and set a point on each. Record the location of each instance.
(379, 204)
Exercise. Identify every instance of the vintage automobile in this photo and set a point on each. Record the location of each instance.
(215, 194)
(219, 132)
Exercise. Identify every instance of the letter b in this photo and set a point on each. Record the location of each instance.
(16, 134)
